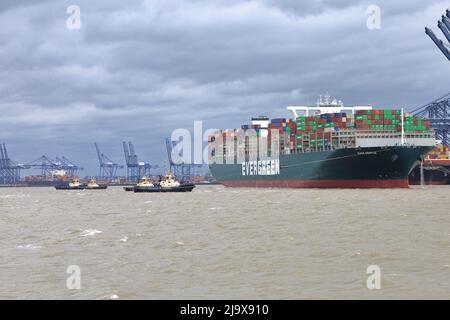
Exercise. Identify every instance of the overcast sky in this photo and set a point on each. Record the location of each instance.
(137, 69)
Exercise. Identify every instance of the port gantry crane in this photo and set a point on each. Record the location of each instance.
(9, 169)
(49, 167)
(68, 166)
(438, 113)
(444, 25)
(183, 171)
(136, 169)
(108, 168)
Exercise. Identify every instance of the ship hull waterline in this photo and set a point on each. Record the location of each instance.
(157, 189)
(374, 167)
(80, 188)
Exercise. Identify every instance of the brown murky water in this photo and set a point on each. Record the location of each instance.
(225, 243)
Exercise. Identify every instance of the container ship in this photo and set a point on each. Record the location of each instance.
(57, 177)
(327, 145)
(434, 170)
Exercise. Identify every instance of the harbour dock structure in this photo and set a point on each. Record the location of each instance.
(9, 169)
(108, 168)
(59, 166)
(136, 169)
(437, 113)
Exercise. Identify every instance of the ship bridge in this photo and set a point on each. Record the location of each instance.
(325, 104)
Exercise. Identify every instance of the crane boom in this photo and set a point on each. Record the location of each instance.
(438, 43)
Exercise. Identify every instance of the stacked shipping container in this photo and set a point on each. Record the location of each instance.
(286, 130)
(389, 120)
(309, 133)
(440, 152)
(317, 131)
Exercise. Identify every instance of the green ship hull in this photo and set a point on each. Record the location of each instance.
(373, 167)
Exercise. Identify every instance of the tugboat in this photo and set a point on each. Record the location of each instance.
(144, 182)
(167, 184)
(93, 185)
(75, 184)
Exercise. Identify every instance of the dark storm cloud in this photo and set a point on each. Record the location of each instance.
(8, 4)
(138, 69)
(309, 7)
